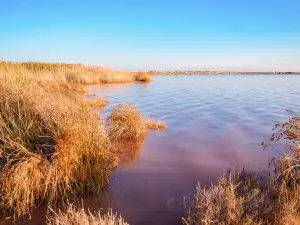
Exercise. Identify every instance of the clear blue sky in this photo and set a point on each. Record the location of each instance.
(161, 34)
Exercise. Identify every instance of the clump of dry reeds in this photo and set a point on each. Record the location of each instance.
(99, 103)
(287, 166)
(155, 124)
(125, 122)
(235, 199)
(53, 146)
(287, 171)
(143, 77)
(80, 217)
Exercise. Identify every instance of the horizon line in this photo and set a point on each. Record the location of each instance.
(157, 70)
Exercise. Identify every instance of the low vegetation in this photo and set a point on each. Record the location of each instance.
(125, 122)
(80, 217)
(69, 73)
(235, 199)
(245, 198)
(99, 103)
(52, 146)
(143, 77)
(72, 73)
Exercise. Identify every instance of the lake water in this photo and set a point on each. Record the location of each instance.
(215, 123)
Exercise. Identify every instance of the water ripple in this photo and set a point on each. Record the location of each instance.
(214, 123)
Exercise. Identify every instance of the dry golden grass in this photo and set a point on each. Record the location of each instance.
(155, 125)
(287, 172)
(235, 199)
(69, 73)
(99, 103)
(287, 205)
(75, 216)
(80, 90)
(125, 122)
(287, 166)
(53, 146)
(143, 77)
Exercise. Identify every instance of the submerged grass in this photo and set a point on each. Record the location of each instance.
(80, 217)
(52, 146)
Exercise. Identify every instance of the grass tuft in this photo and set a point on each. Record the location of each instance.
(98, 103)
(80, 217)
(125, 122)
(143, 77)
(235, 199)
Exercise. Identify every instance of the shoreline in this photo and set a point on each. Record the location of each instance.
(181, 73)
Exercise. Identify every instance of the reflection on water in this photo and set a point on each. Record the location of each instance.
(214, 123)
(128, 150)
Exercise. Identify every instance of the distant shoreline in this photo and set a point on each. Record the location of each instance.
(218, 73)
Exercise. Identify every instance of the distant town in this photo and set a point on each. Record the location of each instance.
(203, 72)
